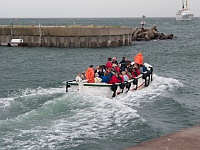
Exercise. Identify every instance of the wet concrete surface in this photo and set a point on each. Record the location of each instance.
(186, 139)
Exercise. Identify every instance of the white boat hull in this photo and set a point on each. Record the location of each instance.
(4, 44)
(184, 17)
(110, 90)
(14, 44)
(185, 13)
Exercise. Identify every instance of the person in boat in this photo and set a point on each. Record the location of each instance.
(143, 68)
(129, 66)
(109, 74)
(109, 63)
(104, 68)
(137, 68)
(134, 73)
(97, 79)
(100, 71)
(116, 79)
(128, 73)
(123, 64)
(138, 59)
(125, 76)
(83, 77)
(104, 77)
(114, 60)
(117, 67)
(121, 76)
(90, 74)
(78, 77)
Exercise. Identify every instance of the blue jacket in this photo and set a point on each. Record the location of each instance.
(104, 79)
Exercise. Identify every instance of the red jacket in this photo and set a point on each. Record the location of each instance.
(136, 73)
(114, 80)
(109, 64)
(117, 69)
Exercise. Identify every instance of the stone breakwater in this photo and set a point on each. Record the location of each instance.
(78, 36)
(142, 34)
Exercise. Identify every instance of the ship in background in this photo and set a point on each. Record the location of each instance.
(184, 13)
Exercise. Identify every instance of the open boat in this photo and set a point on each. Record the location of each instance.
(112, 90)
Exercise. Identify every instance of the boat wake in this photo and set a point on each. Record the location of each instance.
(160, 86)
(51, 118)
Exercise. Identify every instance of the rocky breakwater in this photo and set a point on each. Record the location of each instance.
(142, 34)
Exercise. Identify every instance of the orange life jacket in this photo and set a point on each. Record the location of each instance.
(90, 75)
(138, 58)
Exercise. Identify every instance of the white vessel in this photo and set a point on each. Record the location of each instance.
(111, 90)
(184, 13)
(17, 42)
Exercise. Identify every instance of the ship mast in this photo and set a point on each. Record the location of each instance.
(186, 5)
(183, 4)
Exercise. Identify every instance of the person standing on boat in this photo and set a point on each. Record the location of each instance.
(123, 63)
(109, 63)
(114, 60)
(90, 74)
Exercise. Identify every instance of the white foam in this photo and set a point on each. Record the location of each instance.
(5, 102)
(41, 91)
(88, 117)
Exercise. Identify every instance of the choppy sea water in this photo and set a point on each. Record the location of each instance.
(36, 113)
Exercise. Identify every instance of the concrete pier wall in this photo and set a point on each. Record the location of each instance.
(185, 139)
(61, 36)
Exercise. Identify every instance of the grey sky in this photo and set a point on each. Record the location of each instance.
(93, 8)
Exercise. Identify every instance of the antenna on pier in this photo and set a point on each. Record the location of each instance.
(143, 21)
(40, 33)
(11, 29)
